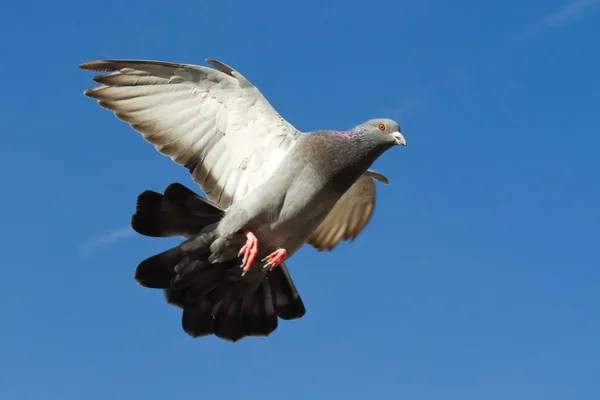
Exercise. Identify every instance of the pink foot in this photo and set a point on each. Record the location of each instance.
(275, 258)
(249, 250)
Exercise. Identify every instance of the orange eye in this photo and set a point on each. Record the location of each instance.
(381, 127)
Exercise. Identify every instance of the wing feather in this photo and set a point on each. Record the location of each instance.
(350, 214)
(212, 121)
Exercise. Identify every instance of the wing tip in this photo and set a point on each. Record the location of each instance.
(378, 176)
(220, 66)
(117, 65)
(98, 65)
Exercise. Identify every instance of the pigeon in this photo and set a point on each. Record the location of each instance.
(269, 189)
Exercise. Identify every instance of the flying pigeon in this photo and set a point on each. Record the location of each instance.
(269, 190)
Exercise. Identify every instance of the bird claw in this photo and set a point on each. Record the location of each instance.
(275, 258)
(249, 250)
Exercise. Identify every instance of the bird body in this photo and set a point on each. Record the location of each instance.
(270, 189)
(287, 207)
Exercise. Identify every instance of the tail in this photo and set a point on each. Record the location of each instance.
(215, 298)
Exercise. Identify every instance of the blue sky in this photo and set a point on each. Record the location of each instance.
(477, 277)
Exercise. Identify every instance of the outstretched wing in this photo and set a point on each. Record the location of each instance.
(350, 214)
(212, 121)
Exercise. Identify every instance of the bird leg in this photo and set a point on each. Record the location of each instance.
(249, 250)
(275, 258)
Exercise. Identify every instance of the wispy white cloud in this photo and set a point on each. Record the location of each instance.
(569, 12)
(106, 239)
(405, 108)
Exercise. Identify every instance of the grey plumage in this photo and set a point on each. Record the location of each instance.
(262, 177)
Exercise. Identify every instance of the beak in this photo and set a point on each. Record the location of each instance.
(399, 138)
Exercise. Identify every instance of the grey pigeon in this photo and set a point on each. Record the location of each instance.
(269, 190)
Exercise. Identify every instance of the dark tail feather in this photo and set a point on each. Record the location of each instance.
(259, 315)
(180, 212)
(215, 298)
(287, 301)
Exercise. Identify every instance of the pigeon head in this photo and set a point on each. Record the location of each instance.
(381, 131)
